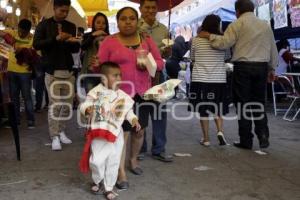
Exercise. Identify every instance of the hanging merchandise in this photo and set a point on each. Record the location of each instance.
(280, 14)
(295, 13)
(264, 12)
(260, 2)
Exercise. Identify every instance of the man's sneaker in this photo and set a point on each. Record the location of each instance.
(64, 139)
(30, 125)
(123, 185)
(264, 141)
(56, 146)
(242, 146)
(221, 138)
(163, 157)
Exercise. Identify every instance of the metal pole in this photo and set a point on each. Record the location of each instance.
(169, 23)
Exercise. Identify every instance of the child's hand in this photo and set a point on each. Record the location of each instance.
(89, 110)
(94, 63)
(136, 124)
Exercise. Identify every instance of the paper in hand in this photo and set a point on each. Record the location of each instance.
(151, 65)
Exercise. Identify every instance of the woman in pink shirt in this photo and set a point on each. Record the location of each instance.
(122, 48)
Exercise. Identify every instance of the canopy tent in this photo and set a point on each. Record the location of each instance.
(164, 5)
(187, 24)
(91, 7)
(226, 14)
(224, 8)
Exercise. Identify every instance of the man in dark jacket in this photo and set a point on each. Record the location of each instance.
(55, 37)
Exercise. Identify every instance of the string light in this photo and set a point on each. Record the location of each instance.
(3, 3)
(18, 12)
(9, 9)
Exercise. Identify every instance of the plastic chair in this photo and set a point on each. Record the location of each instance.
(294, 108)
(284, 87)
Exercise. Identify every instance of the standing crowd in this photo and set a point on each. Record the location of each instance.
(114, 109)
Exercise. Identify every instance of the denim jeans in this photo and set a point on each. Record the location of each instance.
(40, 89)
(159, 128)
(159, 139)
(21, 82)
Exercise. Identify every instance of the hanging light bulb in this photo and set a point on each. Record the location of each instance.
(3, 3)
(9, 9)
(18, 12)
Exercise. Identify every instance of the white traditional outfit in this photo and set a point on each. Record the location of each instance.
(104, 139)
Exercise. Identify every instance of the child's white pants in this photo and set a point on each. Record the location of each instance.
(105, 160)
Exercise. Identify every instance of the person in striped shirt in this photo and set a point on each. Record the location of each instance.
(208, 86)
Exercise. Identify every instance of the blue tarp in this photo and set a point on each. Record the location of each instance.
(226, 14)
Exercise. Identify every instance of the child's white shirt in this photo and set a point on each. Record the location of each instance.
(111, 108)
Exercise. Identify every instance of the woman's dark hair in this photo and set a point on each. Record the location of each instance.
(125, 8)
(283, 43)
(62, 3)
(211, 24)
(99, 14)
(244, 6)
(25, 24)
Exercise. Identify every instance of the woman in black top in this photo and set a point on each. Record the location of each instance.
(90, 45)
(179, 49)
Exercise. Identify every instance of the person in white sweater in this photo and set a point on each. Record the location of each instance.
(106, 107)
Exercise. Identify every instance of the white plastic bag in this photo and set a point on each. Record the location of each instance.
(162, 92)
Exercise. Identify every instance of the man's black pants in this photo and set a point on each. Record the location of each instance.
(249, 90)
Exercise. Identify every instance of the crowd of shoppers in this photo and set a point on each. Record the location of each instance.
(115, 101)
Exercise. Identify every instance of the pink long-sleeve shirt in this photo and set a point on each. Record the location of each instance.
(114, 51)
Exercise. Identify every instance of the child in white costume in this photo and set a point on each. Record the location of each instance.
(107, 108)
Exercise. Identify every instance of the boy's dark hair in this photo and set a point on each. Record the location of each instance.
(142, 2)
(62, 3)
(104, 67)
(25, 24)
(211, 24)
(244, 6)
(125, 8)
(81, 30)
